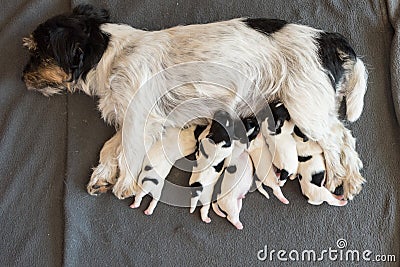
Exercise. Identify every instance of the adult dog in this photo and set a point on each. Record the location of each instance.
(147, 81)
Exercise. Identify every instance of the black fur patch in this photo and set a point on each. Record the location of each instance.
(219, 132)
(201, 148)
(300, 177)
(145, 179)
(265, 26)
(280, 114)
(198, 130)
(329, 44)
(245, 125)
(219, 166)
(195, 189)
(339, 190)
(284, 175)
(265, 187)
(304, 159)
(318, 178)
(74, 40)
(223, 212)
(231, 169)
(300, 134)
(263, 115)
(227, 144)
(148, 168)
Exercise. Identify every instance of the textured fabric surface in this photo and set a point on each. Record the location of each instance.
(48, 147)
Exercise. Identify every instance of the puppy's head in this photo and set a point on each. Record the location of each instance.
(280, 114)
(222, 128)
(64, 49)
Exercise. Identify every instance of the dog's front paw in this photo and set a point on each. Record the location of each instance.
(352, 186)
(102, 179)
(98, 188)
(124, 189)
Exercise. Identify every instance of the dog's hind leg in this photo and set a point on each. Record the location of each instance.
(104, 175)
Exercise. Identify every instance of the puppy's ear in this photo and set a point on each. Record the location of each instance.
(90, 12)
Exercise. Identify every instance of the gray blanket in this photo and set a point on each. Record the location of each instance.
(49, 145)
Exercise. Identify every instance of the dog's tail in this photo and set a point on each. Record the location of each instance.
(354, 89)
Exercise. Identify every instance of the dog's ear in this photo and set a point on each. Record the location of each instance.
(91, 13)
(76, 41)
(68, 49)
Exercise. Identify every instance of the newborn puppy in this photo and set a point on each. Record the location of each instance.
(214, 146)
(264, 170)
(311, 172)
(236, 182)
(281, 143)
(158, 163)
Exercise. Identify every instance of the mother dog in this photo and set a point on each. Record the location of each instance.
(149, 80)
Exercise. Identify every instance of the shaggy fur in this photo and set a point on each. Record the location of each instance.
(147, 81)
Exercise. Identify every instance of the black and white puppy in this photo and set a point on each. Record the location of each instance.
(215, 144)
(236, 182)
(264, 169)
(159, 161)
(311, 172)
(306, 68)
(280, 141)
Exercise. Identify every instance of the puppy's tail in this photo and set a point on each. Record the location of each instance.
(354, 89)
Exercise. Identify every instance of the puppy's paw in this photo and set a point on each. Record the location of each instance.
(148, 212)
(206, 220)
(238, 225)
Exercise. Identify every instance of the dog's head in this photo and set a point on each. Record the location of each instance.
(64, 49)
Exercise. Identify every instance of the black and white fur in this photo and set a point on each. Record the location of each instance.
(280, 141)
(264, 169)
(236, 182)
(311, 172)
(174, 144)
(215, 145)
(306, 68)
